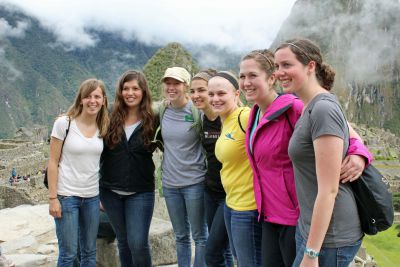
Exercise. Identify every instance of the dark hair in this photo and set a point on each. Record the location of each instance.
(306, 51)
(264, 57)
(120, 111)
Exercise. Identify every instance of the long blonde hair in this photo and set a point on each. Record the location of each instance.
(85, 89)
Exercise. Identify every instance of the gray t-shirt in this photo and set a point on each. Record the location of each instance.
(323, 116)
(184, 162)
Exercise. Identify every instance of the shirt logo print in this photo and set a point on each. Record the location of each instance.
(229, 136)
(211, 135)
(189, 118)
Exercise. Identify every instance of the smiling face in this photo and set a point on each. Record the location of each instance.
(255, 82)
(132, 94)
(291, 73)
(199, 93)
(223, 96)
(92, 103)
(174, 91)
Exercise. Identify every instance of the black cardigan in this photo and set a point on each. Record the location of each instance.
(128, 166)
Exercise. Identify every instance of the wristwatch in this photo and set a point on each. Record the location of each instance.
(311, 253)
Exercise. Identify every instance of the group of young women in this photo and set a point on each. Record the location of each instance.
(267, 186)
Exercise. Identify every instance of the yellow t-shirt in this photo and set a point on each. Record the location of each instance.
(236, 173)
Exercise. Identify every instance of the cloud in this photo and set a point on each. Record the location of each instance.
(7, 70)
(6, 30)
(361, 37)
(238, 26)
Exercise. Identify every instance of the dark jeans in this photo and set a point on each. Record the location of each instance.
(278, 245)
(218, 253)
(130, 217)
(244, 233)
(329, 257)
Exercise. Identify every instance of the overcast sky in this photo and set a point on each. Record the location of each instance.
(238, 25)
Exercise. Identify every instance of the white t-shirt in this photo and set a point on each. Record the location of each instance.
(130, 129)
(78, 171)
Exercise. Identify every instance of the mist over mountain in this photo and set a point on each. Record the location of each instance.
(39, 75)
(361, 40)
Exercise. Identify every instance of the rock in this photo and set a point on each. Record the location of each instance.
(30, 260)
(46, 249)
(23, 245)
(162, 243)
(30, 239)
(107, 254)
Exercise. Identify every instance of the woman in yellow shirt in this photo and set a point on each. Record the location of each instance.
(241, 216)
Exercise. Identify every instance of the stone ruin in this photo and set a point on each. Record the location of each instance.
(29, 230)
(36, 134)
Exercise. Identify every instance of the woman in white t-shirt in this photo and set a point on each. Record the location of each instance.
(73, 173)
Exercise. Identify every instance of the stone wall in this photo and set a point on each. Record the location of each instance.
(26, 157)
(397, 217)
(12, 197)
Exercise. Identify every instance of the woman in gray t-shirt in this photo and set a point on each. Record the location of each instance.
(183, 167)
(328, 219)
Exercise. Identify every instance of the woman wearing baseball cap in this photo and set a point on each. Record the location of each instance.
(183, 166)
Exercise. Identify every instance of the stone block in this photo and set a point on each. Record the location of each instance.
(162, 243)
(30, 260)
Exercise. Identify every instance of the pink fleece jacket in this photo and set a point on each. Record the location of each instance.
(273, 177)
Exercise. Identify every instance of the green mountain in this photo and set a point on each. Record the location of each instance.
(36, 82)
(172, 55)
(361, 40)
(39, 77)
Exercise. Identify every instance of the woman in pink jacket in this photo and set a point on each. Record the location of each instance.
(270, 127)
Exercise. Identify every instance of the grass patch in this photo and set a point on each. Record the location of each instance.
(384, 247)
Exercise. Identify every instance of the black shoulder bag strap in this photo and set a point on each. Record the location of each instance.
(66, 134)
(240, 123)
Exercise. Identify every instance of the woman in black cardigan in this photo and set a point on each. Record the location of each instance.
(127, 169)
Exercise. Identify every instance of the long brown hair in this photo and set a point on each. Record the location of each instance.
(85, 89)
(120, 110)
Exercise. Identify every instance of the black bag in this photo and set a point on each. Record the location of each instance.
(374, 201)
(45, 179)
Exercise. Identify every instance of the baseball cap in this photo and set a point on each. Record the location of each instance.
(177, 73)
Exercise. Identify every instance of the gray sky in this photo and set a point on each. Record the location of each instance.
(237, 25)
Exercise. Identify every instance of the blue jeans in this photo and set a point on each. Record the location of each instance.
(186, 210)
(79, 220)
(329, 257)
(130, 217)
(244, 233)
(218, 253)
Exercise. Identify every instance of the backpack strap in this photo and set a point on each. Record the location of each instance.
(197, 121)
(157, 139)
(65, 138)
(240, 123)
(66, 134)
(290, 124)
